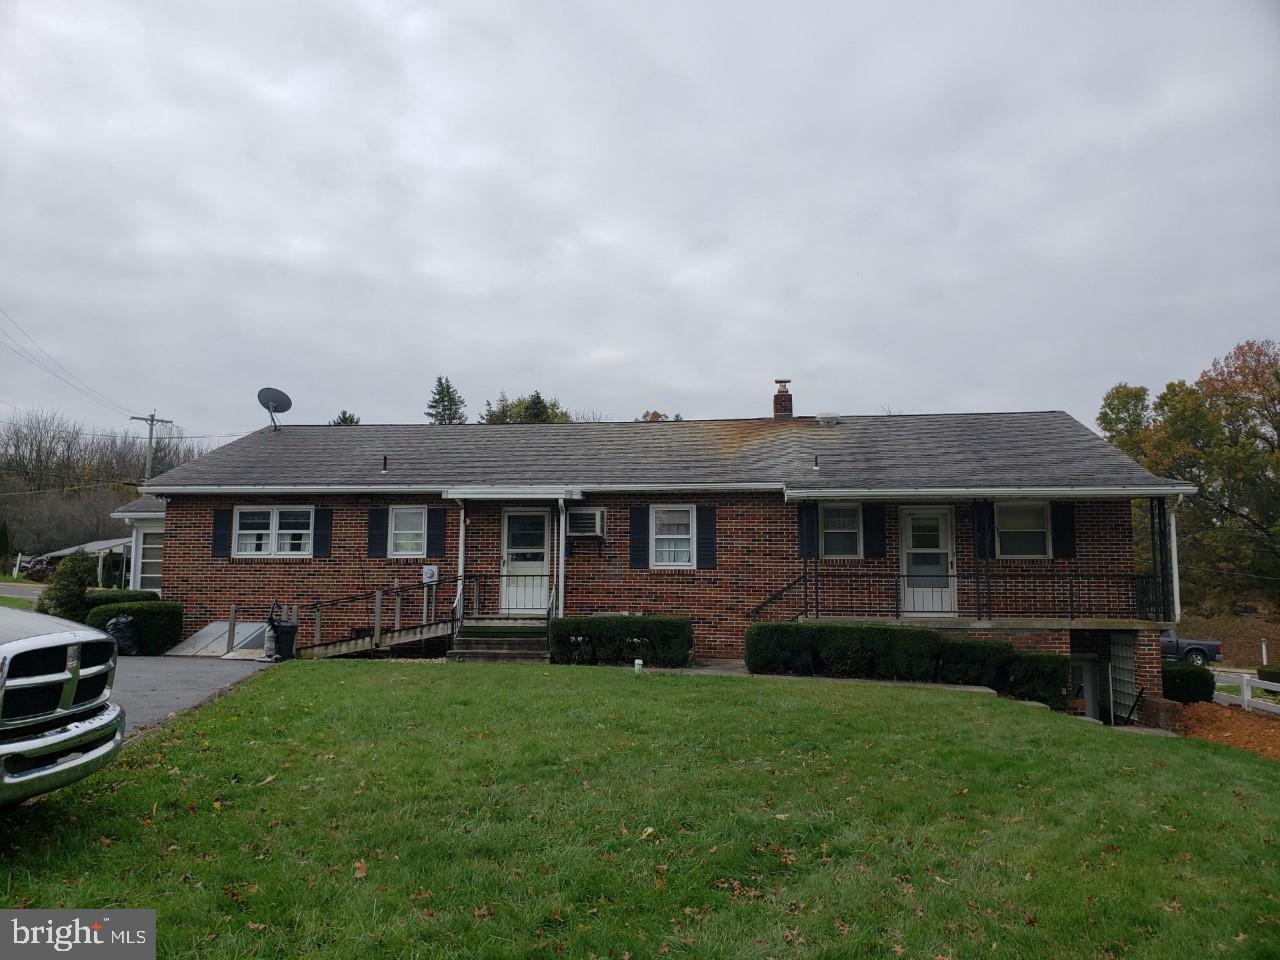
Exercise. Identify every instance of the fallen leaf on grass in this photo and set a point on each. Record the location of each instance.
(482, 912)
(361, 870)
(105, 841)
(257, 926)
(268, 780)
(646, 833)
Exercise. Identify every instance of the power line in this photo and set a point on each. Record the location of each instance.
(81, 486)
(1230, 573)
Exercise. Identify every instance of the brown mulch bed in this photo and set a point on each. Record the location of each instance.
(1257, 732)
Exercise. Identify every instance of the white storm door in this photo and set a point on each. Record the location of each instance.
(928, 562)
(524, 561)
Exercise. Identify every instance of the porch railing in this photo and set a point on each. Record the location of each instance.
(983, 594)
(505, 594)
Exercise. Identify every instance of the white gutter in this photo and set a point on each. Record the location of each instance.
(560, 575)
(532, 492)
(1173, 560)
(918, 493)
(513, 492)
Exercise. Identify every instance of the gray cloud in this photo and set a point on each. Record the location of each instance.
(633, 205)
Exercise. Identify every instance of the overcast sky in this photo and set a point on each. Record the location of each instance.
(632, 205)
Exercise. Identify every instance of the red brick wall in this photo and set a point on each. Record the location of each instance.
(756, 555)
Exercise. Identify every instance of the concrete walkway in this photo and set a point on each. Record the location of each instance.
(152, 689)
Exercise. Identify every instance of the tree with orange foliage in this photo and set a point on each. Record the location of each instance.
(1221, 433)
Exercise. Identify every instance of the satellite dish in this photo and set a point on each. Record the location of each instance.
(274, 401)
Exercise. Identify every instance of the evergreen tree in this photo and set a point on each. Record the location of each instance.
(345, 419)
(533, 408)
(65, 595)
(446, 404)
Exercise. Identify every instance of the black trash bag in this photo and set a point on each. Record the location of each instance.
(124, 631)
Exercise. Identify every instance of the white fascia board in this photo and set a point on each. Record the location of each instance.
(137, 516)
(676, 487)
(942, 493)
(294, 488)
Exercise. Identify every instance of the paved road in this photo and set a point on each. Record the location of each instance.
(152, 688)
(27, 591)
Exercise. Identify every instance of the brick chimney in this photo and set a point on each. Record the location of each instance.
(782, 401)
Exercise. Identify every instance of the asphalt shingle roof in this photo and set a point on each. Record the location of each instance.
(143, 506)
(1039, 450)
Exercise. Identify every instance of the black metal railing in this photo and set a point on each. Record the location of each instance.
(984, 594)
(385, 611)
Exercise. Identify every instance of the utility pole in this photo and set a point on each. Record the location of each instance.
(151, 422)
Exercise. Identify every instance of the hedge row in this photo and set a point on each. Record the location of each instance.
(917, 654)
(1270, 674)
(1187, 683)
(101, 596)
(658, 641)
(159, 622)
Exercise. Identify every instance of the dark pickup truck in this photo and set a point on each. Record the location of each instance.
(1198, 652)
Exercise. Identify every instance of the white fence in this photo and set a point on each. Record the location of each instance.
(1249, 685)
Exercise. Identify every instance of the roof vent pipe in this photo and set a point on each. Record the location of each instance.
(782, 401)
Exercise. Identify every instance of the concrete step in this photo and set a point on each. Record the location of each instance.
(507, 621)
(536, 645)
(499, 656)
(533, 633)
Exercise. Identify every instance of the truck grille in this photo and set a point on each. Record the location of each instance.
(48, 681)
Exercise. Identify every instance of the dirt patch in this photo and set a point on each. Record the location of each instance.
(1258, 733)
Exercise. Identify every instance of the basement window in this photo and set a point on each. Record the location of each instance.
(273, 531)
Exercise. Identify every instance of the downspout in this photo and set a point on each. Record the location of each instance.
(1173, 559)
(560, 574)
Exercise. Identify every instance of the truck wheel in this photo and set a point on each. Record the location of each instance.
(1195, 658)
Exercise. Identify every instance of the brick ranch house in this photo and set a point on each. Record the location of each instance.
(1012, 525)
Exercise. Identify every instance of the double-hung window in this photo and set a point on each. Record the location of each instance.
(273, 531)
(841, 529)
(408, 531)
(673, 532)
(1022, 530)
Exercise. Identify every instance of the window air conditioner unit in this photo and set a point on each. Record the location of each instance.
(585, 522)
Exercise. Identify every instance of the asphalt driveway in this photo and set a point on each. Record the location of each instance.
(152, 688)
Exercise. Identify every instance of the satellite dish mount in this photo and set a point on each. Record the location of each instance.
(274, 401)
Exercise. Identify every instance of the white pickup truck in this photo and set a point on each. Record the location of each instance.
(57, 724)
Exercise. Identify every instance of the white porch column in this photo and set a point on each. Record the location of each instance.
(1173, 559)
(459, 599)
(560, 541)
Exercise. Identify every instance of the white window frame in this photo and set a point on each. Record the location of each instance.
(822, 531)
(1048, 530)
(653, 536)
(391, 531)
(274, 531)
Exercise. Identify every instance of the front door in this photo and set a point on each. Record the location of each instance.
(524, 561)
(928, 562)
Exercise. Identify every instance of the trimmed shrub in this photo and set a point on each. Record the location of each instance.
(1187, 683)
(868, 650)
(1042, 677)
(159, 622)
(1270, 674)
(658, 641)
(975, 663)
(65, 595)
(99, 596)
(780, 648)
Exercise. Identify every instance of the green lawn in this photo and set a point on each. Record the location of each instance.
(16, 602)
(381, 809)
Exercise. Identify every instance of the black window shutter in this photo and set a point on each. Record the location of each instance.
(322, 535)
(1062, 520)
(435, 531)
(706, 538)
(640, 537)
(378, 531)
(807, 529)
(222, 520)
(873, 531)
(984, 530)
